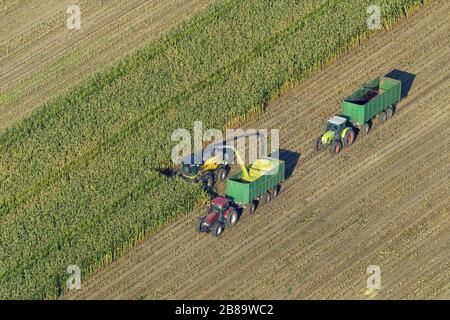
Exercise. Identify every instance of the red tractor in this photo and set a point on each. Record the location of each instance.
(221, 214)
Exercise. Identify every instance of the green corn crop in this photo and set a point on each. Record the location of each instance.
(79, 181)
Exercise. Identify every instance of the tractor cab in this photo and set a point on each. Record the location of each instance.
(217, 210)
(336, 125)
(190, 170)
(191, 165)
(220, 205)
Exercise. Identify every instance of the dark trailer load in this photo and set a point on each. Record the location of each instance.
(375, 98)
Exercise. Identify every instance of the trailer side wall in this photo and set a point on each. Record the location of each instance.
(244, 192)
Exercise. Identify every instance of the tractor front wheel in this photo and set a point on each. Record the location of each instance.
(335, 147)
(349, 137)
(198, 225)
(317, 144)
(217, 229)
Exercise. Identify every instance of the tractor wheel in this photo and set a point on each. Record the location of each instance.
(221, 173)
(232, 218)
(198, 225)
(217, 229)
(208, 180)
(317, 144)
(335, 147)
(389, 113)
(252, 207)
(382, 117)
(365, 128)
(349, 137)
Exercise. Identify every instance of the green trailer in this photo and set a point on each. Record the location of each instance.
(371, 99)
(375, 98)
(245, 190)
(263, 188)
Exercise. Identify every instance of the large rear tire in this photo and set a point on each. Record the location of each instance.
(349, 137)
(232, 218)
(335, 147)
(217, 229)
(389, 113)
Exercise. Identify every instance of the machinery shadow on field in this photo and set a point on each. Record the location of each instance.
(291, 159)
(166, 172)
(405, 78)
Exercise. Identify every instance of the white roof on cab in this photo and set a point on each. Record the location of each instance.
(337, 120)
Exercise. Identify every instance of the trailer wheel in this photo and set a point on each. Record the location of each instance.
(349, 137)
(335, 147)
(317, 144)
(217, 229)
(365, 128)
(252, 207)
(389, 113)
(274, 192)
(382, 117)
(232, 218)
(221, 173)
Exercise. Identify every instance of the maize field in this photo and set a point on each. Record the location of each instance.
(80, 181)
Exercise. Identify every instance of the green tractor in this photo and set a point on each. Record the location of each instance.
(339, 133)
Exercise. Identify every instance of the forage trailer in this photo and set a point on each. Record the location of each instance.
(254, 185)
(375, 98)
